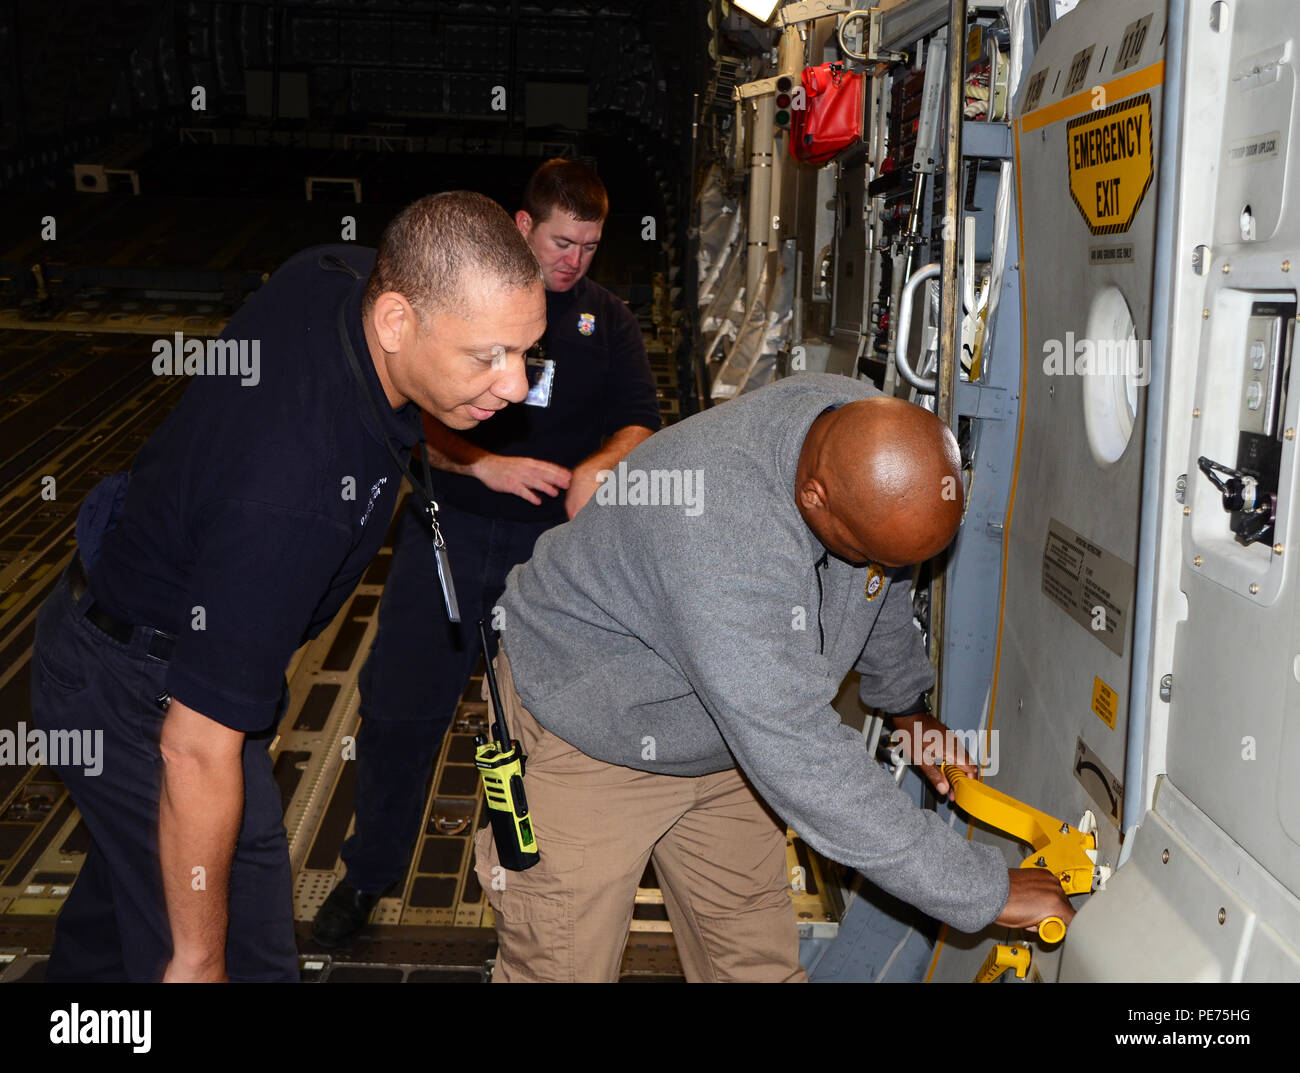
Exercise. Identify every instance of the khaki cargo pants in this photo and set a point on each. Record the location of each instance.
(718, 852)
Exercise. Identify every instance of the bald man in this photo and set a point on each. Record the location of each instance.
(668, 664)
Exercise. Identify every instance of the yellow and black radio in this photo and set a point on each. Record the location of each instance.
(501, 765)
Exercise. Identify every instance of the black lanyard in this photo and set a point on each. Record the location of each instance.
(331, 263)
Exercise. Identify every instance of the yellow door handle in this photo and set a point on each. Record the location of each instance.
(1051, 929)
(1069, 853)
(1001, 958)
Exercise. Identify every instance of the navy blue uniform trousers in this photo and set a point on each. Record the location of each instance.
(113, 926)
(416, 672)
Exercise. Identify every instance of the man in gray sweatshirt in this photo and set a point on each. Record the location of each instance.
(670, 658)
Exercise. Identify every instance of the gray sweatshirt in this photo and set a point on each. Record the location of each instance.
(688, 621)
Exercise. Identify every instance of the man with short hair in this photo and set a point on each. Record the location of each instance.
(500, 487)
(669, 668)
(248, 519)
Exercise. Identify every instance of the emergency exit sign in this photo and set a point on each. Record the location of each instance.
(1110, 161)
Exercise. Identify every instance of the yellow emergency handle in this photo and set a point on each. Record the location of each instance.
(1051, 929)
(1061, 849)
(1001, 958)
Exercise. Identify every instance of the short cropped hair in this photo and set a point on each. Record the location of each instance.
(566, 185)
(429, 247)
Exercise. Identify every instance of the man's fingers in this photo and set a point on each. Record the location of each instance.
(538, 484)
(934, 775)
(535, 474)
(955, 754)
(549, 473)
(927, 743)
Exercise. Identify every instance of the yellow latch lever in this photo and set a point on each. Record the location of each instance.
(1069, 853)
(1001, 958)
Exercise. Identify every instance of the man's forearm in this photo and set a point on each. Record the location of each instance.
(617, 447)
(587, 473)
(200, 810)
(448, 451)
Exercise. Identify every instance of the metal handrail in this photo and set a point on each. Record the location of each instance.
(901, 336)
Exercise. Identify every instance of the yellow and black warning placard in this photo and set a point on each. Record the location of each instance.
(1110, 163)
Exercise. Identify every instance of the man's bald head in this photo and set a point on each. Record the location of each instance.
(880, 480)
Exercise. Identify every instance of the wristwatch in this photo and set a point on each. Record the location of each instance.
(920, 707)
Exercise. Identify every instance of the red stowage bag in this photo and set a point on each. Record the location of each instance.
(831, 119)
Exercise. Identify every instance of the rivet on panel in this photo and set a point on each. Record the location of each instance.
(1254, 588)
(1164, 857)
(1197, 561)
(1226, 268)
(1278, 549)
(1197, 412)
(1205, 314)
(1286, 266)
(1223, 914)
(1187, 511)
(1289, 434)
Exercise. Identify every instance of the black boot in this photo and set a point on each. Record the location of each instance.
(344, 913)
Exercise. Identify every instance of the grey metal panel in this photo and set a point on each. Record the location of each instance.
(1048, 662)
(874, 943)
(986, 192)
(974, 570)
(1234, 737)
(1166, 930)
(908, 22)
(1189, 904)
(850, 248)
(988, 140)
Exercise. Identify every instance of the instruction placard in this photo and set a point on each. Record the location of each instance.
(1109, 159)
(1092, 586)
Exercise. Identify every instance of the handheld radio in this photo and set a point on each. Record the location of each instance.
(501, 764)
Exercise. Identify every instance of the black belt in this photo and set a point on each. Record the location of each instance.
(159, 645)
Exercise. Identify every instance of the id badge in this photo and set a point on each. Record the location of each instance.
(444, 565)
(541, 375)
(444, 579)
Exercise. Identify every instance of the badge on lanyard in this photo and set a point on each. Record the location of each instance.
(541, 375)
(540, 371)
(444, 569)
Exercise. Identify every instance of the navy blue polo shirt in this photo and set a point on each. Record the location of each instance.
(602, 384)
(256, 506)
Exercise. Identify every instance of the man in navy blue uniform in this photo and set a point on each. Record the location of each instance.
(248, 519)
(499, 488)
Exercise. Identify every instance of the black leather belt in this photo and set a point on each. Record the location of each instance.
(157, 644)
